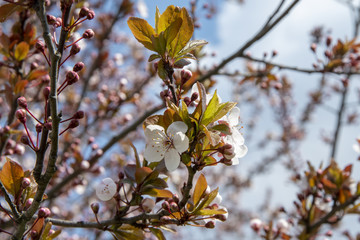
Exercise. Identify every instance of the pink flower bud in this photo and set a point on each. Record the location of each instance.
(221, 217)
(48, 126)
(25, 183)
(89, 33)
(75, 49)
(194, 96)
(24, 140)
(21, 101)
(313, 47)
(185, 75)
(28, 203)
(165, 205)
(328, 41)
(78, 67)
(34, 235)
(256, 224)
(83, 12)
(72, 77)
(21, 115)
(174, 207)
(51, 19)
(44, 212)
(90, 15)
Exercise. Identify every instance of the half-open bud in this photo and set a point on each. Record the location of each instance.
(21, 101)
(78, 67)
(83, 12)
(75, 49)
(89, 33)
(21, 115)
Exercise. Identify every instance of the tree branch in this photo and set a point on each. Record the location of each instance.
(14, 211)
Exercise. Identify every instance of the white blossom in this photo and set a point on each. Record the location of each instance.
(282, 225)
(356, 146)
(235, 139)
(256, 224)
(142, 8)
(168, 146)
(106, 189)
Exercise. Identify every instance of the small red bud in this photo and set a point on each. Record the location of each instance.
(74, 123)
(72, 77)
(165, 205)
(174, 207)
(328, 40)
(38, 128)
(210, 224)
(187, 101)
(79, 115)
(51, 19)
(313, 47)
(194, 96)
(46, 93)
(185, 75)
(78, 67)
(33, 66)
(39, 45)
(221, 217)
(21, 101)
(48, 126)
(121, 175)
(24, 140)
(28, 203)
(89, 33)
(34, 234)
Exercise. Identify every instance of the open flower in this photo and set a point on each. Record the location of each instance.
(235, 139)
(167, 145)
(106, 189)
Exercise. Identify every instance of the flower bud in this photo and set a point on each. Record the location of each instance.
(221, 217)
(256, 224)
(25, 183)
(72, 77)
(194, 96)
(210, 224)
(45, 79)
(21, 115)
(90, 15)
(58, 23)
(282, 225)
(176, 198)
(83, 12)
(75, 49)
(187, 101)
(28, 203)
(74, 123)
(121, 175)
(51, 19)
(79, 115)
(21, 101)
(328, 40)
(174, 207)
(38, 128)
(34, 234)
(95, 207)
(165, 205)
(78, 67)
(34, 66)
(24, 140)
(185, 75)
(89, 33)
(228, 151)
(44, 212)
(313, 47)
(148, 204)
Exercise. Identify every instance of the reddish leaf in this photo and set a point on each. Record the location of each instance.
(6, 10)
(20, 86)
(328, 183)
(348, 168)
(11, 176)
(141, 174)
(36, 74)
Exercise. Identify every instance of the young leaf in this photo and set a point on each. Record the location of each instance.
(11, 176)
(142, 31)
(208, 212)
(172, 31)
(36, 74)
(157, 233)
(190, 46)
(207, 200)
(141, 174)
(8, 9)
(153, 192)
(153, 57)
(200, 188)
(21, 51)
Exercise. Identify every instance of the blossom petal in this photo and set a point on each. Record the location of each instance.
(172, 159)
(235, 161)
(106, 189)
(176, 127)
(241, 151)
(154, 152)
(154, 133)
(233, 116)
(237, 137)
(181, 142)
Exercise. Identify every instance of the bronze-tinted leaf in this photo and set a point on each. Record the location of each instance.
(200, 188)
(11, 176)
(8, 9)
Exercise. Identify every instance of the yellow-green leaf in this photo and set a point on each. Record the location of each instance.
(200, 188)
(167, 17)
(21, 51)
(190, 46)
(172, 31)
(161, 193)
(158, 233)
(11, 176)
(36, 74)
(208, 212)
(141, 174)
(142, 31)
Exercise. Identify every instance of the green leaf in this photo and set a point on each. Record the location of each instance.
(223, 128)
(200, 188)
(209, 160)
(157, 17)
(153, 57)
(45, 233)
(190, 46)
(11, 176)
(158, 233)
(206, 201)
(184, 114)
(162, 71)
(172, 31)
(142, 31)
(157, 183)
(186, 159)
(7, 9)
(167, 17)
(215, 110)
(21, 51)
(128, 232)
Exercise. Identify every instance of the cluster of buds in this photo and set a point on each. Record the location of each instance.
(11, 147)
(54, 21)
